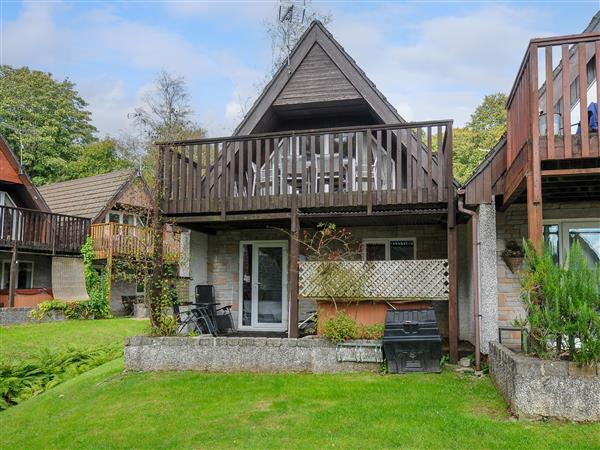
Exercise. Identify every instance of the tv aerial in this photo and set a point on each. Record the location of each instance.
(291, 16)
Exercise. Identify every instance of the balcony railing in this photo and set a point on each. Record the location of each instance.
(120, 240)
(42, 231)
(421, 279)
(406, 163)
(555, 84)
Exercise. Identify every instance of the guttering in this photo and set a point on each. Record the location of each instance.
(475, 257)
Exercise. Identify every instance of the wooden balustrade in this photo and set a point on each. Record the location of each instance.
(405, 163)
(114, 240)
(551, 93)
(42, 231)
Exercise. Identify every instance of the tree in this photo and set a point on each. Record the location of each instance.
(47, 117)
(472, 143)
(97, 158)
(166, 114)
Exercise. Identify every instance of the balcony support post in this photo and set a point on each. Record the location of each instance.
(12, 281)
(534, 166)
(293, 273)
(452, 254)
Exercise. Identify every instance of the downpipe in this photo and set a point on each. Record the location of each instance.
(475, 257)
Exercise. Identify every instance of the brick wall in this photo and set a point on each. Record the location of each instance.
(512, 225)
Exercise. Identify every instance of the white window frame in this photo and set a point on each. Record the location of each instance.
(387, 242)
(6, 274)
(563, 234)
(137, 221)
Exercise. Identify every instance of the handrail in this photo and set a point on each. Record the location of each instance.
(307, 132)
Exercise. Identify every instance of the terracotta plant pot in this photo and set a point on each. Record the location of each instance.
(514, 263)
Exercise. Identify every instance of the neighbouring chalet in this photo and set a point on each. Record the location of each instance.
(39, 250)
(118, 204)
(322, 144)
(542, 180)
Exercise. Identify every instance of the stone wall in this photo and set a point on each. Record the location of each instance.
(12, 316)
(538, 389)
(225, 354)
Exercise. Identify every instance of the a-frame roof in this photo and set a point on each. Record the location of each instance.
(318, 42)
(12, 172)
(89, 197)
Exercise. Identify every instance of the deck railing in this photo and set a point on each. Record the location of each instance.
(421, 279)
(42, 231)
(550, 96)
(405, 163)
(114, 240)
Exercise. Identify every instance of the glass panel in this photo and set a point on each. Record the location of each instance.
(25, 276)
(270, 284)
(402, 249)
(128, 219)
(114, 217)
(589, 239)
(375, 252)
(247, 285)
(551, 241)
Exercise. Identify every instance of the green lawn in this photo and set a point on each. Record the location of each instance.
(105, 408)
(22, 342)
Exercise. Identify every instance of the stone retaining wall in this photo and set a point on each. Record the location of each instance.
(249, 354)
(12, 316)
(536, 388)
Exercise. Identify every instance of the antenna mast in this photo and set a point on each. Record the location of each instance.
(291, 16)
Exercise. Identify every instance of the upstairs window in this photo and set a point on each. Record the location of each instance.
(5, 200)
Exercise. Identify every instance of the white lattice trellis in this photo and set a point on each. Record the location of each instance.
(423, 279)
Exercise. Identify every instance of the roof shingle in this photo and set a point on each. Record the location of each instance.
(85, 197)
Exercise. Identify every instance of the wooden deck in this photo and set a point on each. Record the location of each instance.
(43, 232)
(366, 167)
(120, 240)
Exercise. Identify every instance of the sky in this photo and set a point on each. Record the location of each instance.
(431, 59)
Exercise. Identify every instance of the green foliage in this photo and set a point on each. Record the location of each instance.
(167, 326)
(343, 328)
(23, 380)
(51, 117)
(97, 158)
(563, 304)
(472, 143)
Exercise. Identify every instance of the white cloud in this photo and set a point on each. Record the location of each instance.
(446, 64)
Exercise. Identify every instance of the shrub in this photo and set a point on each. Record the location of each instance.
(563, 304)
(343, 328)
(24, 380)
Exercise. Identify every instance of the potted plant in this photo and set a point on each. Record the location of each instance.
(513, 256)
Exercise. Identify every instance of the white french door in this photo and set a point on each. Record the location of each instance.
(263, 303)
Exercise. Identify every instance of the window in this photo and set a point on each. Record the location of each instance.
(24, 274)
(124, 218)
(5, 200)
(389, 249)
(560, 235)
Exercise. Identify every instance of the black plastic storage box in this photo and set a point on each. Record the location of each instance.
(412, 341)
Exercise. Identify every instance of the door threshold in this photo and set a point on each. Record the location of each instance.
(259, 333)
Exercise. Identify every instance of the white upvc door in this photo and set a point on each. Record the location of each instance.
(263, 273)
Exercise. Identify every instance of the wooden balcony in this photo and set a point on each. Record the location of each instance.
(42, 231)
(368, 167)
(119, 240)
(555, 84)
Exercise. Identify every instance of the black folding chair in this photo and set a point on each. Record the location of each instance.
(222, 319)
(197, 319)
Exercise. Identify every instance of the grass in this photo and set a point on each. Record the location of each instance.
(23, 342)
(106, 408)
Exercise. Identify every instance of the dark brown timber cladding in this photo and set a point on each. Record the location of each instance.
(317, 79)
